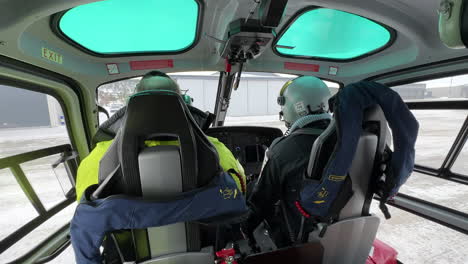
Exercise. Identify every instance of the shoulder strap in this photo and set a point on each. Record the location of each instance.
(301, 131)
(276, 141)
(308, 131)
(109, 128)
(386, 183)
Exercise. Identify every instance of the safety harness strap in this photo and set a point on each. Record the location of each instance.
(301, 131)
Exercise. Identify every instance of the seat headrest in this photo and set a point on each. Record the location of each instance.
(156, 114)
(453, 23)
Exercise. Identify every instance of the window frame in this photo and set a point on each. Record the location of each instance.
(444, 172)
(96, 91)
(30, 87)
(13, 163)
(439, 214)
(393, 36)
(101, 108)
(55, 21)
(29, 77)
(423, 73)
(440, 69)
(24, 68)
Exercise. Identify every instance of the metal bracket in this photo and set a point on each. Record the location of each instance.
(68, 159)
(227, 82)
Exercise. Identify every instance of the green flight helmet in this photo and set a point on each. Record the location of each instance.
(303, 96)
(157, 81)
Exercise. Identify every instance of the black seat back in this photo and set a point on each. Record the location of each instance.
(163, 172)
(159, 116)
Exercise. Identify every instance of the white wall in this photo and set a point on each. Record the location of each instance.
(254, 97)
(257, 98)
(274, 88)
(211, 88)
(238, 105)
(202, 91)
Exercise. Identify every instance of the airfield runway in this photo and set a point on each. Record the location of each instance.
(417, 240)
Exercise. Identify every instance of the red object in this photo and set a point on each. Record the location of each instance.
(301, 66)
(382, 254)
(228, 66)
(301, 210)
(227, 256)
(241, 180)
(151, 64)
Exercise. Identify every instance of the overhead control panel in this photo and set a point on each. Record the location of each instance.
(245, 40)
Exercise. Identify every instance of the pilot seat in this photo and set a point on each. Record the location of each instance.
(161, 179)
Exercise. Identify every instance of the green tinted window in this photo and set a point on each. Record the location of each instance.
(332, 34)
(130, 26)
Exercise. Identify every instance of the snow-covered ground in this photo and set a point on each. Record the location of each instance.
(416, 239)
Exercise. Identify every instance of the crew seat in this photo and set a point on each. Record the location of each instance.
(349, 240)
(164, 172)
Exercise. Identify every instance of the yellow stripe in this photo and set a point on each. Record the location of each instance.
(89, 168)
(336, 178)
(285, 86)
(319, 202)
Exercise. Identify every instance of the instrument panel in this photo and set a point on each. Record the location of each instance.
(248, 144)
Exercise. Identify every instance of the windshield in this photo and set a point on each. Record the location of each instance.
(200, 86)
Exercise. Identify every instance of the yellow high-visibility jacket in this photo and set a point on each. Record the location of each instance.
(88, 170)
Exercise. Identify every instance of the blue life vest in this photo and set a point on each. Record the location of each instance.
(350, 104)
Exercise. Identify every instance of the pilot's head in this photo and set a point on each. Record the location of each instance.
(156, 80)
(305, 95)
